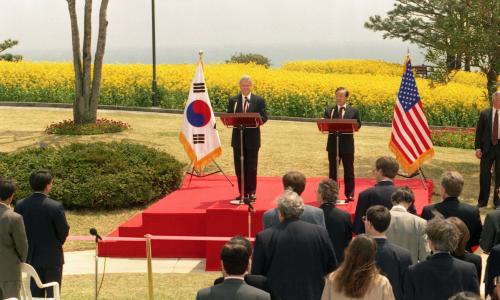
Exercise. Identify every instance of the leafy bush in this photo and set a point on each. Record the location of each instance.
(454, 137)
(103, 125)
(98, 175)
(246, 58)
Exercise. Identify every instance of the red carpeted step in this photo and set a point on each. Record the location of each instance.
(202, 209)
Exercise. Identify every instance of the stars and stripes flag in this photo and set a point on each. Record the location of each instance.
(199, 134)
(410, 138)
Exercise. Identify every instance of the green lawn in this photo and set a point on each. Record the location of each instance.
(286, 146)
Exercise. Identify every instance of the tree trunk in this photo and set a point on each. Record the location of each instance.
(99, 55)
(87, 87)
(87, 58)
(78, 104)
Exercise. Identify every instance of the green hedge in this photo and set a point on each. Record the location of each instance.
(98, 175)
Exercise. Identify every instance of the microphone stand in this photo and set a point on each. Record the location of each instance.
(93, 232)
(248, 202)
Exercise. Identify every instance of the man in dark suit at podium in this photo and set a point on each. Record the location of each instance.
(247, 102)
(346, 141)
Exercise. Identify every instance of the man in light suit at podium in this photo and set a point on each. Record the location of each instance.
(247, 102)
(342, 110)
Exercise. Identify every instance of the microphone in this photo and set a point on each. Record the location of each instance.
(93, 232)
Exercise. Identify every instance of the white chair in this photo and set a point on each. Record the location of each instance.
(29, 272)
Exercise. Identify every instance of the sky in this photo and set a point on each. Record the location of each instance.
(281, 30)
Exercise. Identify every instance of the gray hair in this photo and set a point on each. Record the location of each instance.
(290, 205)
(443, 234)
(329, 191)
(246, 78)
(495, 94)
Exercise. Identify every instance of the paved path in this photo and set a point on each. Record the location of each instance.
(82, 262)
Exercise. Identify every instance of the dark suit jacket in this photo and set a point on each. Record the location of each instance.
(294, 256)
(483, 131)
(473, 259)
(13, 244)
(492, 269)
(490, 236)
(380, 194)
(339, 227)
(257, 281)
(231, 289)
(452, 207)
(393, 262)
(46, 228)
(251, 136)
(440, 277)
(346, 140)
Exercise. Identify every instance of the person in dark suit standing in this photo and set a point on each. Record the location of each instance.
(490, 236)
(293, 255)
(392, 260)
(451, 187)
(295, 181)
(492, 270)
(338, 222)
(235, 260)
(46, 228)
(441, 276)
(257, 281)
(386, 169)
(342, 110)
(247, 102)
(460, 251)
(13, 243)
(488, 150)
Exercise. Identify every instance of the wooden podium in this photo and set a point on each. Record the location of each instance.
(241, 121)
(337, 127)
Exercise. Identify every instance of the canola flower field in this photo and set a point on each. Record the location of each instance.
(297, 89)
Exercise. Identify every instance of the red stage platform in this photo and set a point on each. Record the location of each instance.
(203, 209)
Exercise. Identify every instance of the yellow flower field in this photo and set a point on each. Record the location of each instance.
(295, 90)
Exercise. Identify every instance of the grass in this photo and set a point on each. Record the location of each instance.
(286, 146)
(134, 286)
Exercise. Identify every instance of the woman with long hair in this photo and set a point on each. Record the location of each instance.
(358, 276)
(460, 252)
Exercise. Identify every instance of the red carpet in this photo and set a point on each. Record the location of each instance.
(203, 209)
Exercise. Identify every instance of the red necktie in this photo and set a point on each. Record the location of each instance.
(245, 106)
(494, 136)
(341, 113)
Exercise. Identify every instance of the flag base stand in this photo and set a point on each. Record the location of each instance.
(200, 174)
(419, 172)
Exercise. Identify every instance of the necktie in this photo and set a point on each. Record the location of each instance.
(341, 112)
(494, 136)
(245, 106)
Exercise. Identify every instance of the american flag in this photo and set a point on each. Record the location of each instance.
(410, 138)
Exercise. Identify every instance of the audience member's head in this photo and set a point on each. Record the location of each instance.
(403, 196)
(7, 191)
(295, 181)
(442, 235)
(465, 296)
(377, 220)
(241, 240)
(290, 205)
(328, 192)
(463, 236)
(41, 181)
(235, 259)
(452, 184)
(358, 271)
(386, 167)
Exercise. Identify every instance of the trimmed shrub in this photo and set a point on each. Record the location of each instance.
(98, 175)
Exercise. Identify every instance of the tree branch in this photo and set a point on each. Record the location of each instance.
(77, 64)
(87, 55)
